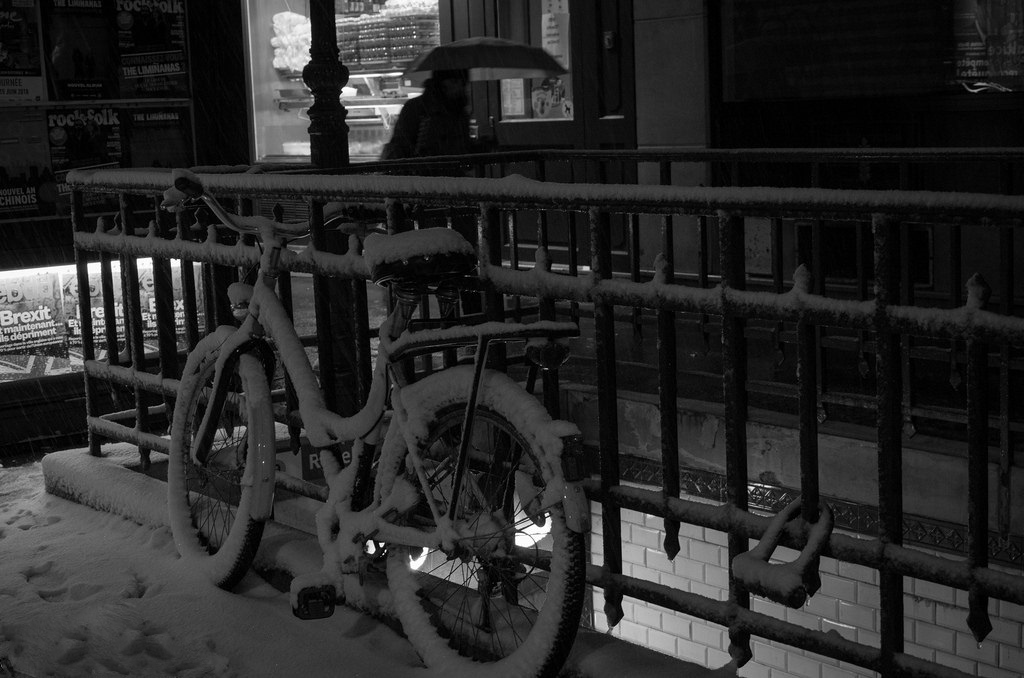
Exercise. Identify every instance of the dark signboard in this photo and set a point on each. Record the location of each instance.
(820, 49)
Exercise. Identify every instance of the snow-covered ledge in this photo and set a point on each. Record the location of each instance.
(113, 483)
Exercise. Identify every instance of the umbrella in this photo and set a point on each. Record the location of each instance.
(485, 59)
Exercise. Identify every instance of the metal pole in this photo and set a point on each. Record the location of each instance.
(734, 369)
(607, 404)
(325, 75)
(85, 317)
(668, 388)
(890, 442)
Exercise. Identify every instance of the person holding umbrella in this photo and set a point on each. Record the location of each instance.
(436, 122)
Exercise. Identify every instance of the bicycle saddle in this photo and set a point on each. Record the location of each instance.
(426, 256)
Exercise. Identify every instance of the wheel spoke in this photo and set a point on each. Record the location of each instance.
(479, 594)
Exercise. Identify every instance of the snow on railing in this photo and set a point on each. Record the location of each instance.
(603, 288)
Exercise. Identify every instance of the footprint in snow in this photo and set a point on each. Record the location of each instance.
(79, 591)
(17, 516)
(34, 573)
(29, 521)
(135, 587)
(52, 586)
(70, 651)
(152, 643)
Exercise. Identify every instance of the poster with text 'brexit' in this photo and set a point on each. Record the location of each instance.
(40, 319)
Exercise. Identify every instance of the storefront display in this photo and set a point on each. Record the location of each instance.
(84, 84)
(376, 42)
(40, 326)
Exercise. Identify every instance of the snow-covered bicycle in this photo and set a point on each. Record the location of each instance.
(470, 490)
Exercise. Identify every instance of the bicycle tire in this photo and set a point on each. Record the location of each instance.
(217, 511)
(518, 618)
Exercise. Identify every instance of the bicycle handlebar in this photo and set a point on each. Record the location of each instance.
(193, 192)
(342, 220)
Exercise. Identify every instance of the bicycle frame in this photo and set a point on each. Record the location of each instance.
(489, 510)
(266, 317)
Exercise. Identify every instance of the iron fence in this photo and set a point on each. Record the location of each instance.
(593, 278)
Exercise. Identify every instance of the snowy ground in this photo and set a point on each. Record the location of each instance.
(87, 592)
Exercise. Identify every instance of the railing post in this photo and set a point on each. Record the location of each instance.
(807, 385)
(163, 293)
(907, 341)
(188, 286)
(818, 282)
(703, 271)
(633, 235)
(361, 338)
(333, 301)
(977, 464)
(490, 252)
(890, 442)
(489, 232)
(734, 371)
(607, 405)
(1006, 454)
(668, 389)
(133, 317)
(85, 316)
(546, 306)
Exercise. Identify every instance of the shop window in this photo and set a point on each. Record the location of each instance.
(377, 40)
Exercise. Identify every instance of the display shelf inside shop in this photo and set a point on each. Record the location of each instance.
(371, 90)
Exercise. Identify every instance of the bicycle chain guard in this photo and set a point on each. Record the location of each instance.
(785, 583)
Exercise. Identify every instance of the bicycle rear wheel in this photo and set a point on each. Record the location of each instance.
(484, 597)
(218, 507)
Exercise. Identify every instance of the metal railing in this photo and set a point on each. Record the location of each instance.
(837, 252)
(595, 284)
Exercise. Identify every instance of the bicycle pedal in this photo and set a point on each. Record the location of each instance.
(315, 602)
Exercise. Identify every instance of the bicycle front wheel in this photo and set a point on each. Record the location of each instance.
(484, 597)
(220, 493)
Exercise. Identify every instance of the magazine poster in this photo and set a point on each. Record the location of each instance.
(989, 45)
(158, 137)
(151, 48)
(69, 295)
(84, 137)
(21, 74)
(28, 187)
(552, 97)
(33, 341)
(80, 49)
(147, 301)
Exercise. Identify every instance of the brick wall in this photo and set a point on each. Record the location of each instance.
(935, 616)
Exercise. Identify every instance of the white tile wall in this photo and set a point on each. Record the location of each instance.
(935, 616)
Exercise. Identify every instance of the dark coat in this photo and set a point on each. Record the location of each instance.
(428, 125)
